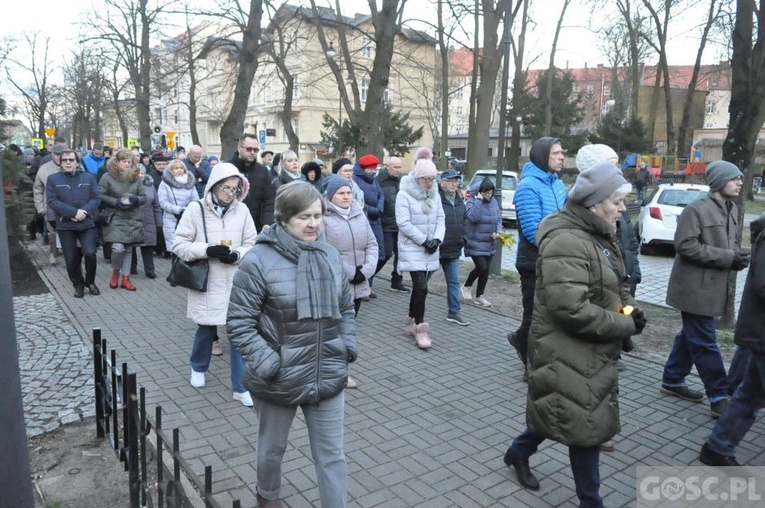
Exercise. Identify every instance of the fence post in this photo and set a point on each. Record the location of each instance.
(97, 381)
(115, 403)
(131, 431)
(208, 486)
(144, 433)
(160, 465)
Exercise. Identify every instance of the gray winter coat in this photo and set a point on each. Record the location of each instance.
(705, 242)
(420, 217)
(173, 198)
(151, 213)
(355, 241)
(127, 223)
(288, 361)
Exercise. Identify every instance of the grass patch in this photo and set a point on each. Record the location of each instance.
(725, 338)
(757, 206)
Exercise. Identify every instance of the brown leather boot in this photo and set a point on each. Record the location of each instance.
(115, 280)
(126, 283)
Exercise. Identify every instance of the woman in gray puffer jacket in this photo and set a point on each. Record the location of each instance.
(483, 224)
(123, 194)
(290, 315)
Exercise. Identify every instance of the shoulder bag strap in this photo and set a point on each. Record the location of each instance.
(204, 224)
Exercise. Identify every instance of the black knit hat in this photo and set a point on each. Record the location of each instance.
(339, 163)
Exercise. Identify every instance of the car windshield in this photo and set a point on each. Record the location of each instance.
(679, 197)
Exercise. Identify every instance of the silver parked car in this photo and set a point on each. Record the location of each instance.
(509, 184)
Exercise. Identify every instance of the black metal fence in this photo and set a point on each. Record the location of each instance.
(122, 418)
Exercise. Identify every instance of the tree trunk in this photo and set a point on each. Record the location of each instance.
(444, 49)
(682, 130)
(143, 83)
(551, 71)
(233, 126)
(473, 133)
(387, 25)
(192, 88)
(488, 65)
(747, 108)
(519, 84)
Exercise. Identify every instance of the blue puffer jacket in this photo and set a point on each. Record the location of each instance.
(69, 192)
(539, 194)
(482, 220)
(374, 204)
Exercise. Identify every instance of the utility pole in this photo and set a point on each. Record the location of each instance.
(496, 263)
(15, 481)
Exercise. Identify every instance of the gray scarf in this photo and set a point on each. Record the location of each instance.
(317, 296)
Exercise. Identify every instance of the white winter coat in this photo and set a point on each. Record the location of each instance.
(173, 198)
(236, 225)
(420, 217)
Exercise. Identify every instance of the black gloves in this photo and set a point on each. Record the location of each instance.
(121, 205)
(628, 345)
(431, 246)
(740, 261)
(640, 321)
(133, 199)
(229, 258)
(218, 251)
(358, 277)
(373, 213)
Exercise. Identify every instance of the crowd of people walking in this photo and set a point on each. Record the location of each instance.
(292, 253)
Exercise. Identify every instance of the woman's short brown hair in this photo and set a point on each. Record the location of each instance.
(293, 198)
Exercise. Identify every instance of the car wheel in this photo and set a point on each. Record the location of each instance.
(645, 249)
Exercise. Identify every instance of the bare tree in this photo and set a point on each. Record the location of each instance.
(489, 59)
(35, 92)
(127, 26)
(551, 68)
(712, 15)
(249, 25)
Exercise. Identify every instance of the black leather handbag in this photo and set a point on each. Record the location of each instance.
(104, 218)
(191, 274)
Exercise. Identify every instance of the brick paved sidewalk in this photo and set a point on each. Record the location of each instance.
(423, 428)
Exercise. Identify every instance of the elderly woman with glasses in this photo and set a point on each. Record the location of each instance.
(421, 229)
(219, 228)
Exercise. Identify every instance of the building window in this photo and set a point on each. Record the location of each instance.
(607, 91)
(491, 151)
(589, 89)
(296, 87)
(364, 89)
(366, 47)
(386, 96)
(458, 94)
(574, 88)
(459, 111)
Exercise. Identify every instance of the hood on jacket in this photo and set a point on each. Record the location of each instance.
(540, 152)
(410, 186)
(384, 175)
(332, 209)
(167, 177)
(220, 172)
(359, 171)
(119, 174)
(148, 181)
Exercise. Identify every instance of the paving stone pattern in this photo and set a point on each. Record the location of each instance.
(423, 429)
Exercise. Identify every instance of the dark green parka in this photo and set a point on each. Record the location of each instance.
(577, 329)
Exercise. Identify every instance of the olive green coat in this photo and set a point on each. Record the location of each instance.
(127, 223)
(577, 330)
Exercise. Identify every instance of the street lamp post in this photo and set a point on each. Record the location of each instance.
(611, 103)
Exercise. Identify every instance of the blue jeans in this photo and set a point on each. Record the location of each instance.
(324, 422)
(585, 466)
(738, 368)
(201, 353)
(697, 344)
(741, 411)
(451, 267)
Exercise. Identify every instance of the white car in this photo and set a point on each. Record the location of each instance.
(658, 217)
(509, 184)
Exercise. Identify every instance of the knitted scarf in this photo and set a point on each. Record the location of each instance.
(317, 296)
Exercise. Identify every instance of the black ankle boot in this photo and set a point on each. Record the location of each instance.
(525, 477)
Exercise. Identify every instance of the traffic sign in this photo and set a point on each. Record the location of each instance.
(38, 143)
(262, 136)
(170, 143)
(133, 143)
(50, 131)
(170, 134)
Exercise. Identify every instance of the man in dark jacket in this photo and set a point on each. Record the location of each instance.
(739, 415)
(73, 196)
(451, 248)
(198, 167)
(260, 199)
(706, 252)
(389, 179)
(539, 194)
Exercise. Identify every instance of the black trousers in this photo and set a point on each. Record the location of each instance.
(147, 254)
(419, 294)
(480, 272)
(528, 285)
(73, 255)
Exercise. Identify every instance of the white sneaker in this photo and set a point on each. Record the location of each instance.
(483, 302)
(197, 379)
(53, 259)
(466, 293)
(352, 383)
(244, 398)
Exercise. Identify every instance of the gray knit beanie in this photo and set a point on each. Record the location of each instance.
(333, 184)
(719, 173)
(589, 155)
(596, 184)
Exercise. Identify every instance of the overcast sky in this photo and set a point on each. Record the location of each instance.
(578, 44)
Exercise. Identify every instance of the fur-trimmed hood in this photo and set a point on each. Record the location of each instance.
(224, 170)
(167, 177)
(114, 169)
(429, 196)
